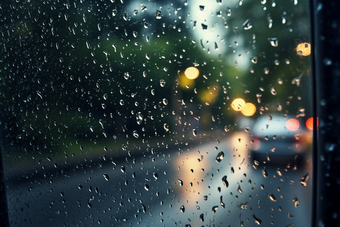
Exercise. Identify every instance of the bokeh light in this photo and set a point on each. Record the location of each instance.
(292, 124)
(309, 123)
(191, 73)
(186, 83)
(249, 109)
(238, 104)
(303, 49)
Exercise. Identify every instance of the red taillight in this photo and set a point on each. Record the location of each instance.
(292, 124)
(309, 123)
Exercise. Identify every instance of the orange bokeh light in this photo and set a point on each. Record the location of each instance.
(303, 49)
(309, 123)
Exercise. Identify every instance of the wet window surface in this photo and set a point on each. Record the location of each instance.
(153, 113)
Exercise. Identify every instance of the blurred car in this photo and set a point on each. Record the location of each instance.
(279, 139)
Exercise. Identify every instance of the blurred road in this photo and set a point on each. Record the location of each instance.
(167, 189)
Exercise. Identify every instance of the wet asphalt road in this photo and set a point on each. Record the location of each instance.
(167, 189)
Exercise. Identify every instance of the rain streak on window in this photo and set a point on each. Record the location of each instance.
(156, 113)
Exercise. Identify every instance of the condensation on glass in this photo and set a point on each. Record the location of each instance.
(154, 113)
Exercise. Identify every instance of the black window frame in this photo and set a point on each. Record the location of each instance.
(325, 66)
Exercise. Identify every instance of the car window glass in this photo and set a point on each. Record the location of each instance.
(155, 113)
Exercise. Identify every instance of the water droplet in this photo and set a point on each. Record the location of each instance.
(274, 42)
(253, 59)
(126, 75)
(266, 70)
(273, 91)
(290, 215)
(165, 101)
(265, 173)
(225, 182)
(227, 128)
(247, 25)
(162, 83)
(228, 12)
(158, 14)
(239, 189)
(182, 208)
(202, 8)
(304, 180)
(204, 26)
(219, 157)
(121, 102)
(139, 118)
(272, 197)
(202, 217)
(279, 172)
(180, 182)
(219, 2)
(194, 132)
(296, 202)
(214, 208)
(257, 220)
(244, 206)
(232, 170)
(135, 134)
(106, 177)
(279, 81)
(155, 175)
(146, 187)
(122, 169)
(166, 127)
(270, 20)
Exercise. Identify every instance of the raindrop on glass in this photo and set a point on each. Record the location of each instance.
(272, 197)
(264, 173)
(214, 208)
(304, 180)
(194, 132)
(253, 59)
(224, 181)
(139, 118)
(162, 83)
(158, 14)
(273, 91)
(182, 208)
(274, 42)
(219, 157)
(257, 220)
(247, 25)
(106, 177)
(279, 171)
(202, 217)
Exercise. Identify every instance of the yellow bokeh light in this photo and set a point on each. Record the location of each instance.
(303, 49)
(249, 109)
(191, 73)
(185, 83)
(210, 96)
(238, 104)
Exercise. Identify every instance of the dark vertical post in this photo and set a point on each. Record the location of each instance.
(3, 202)
(325, 19)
